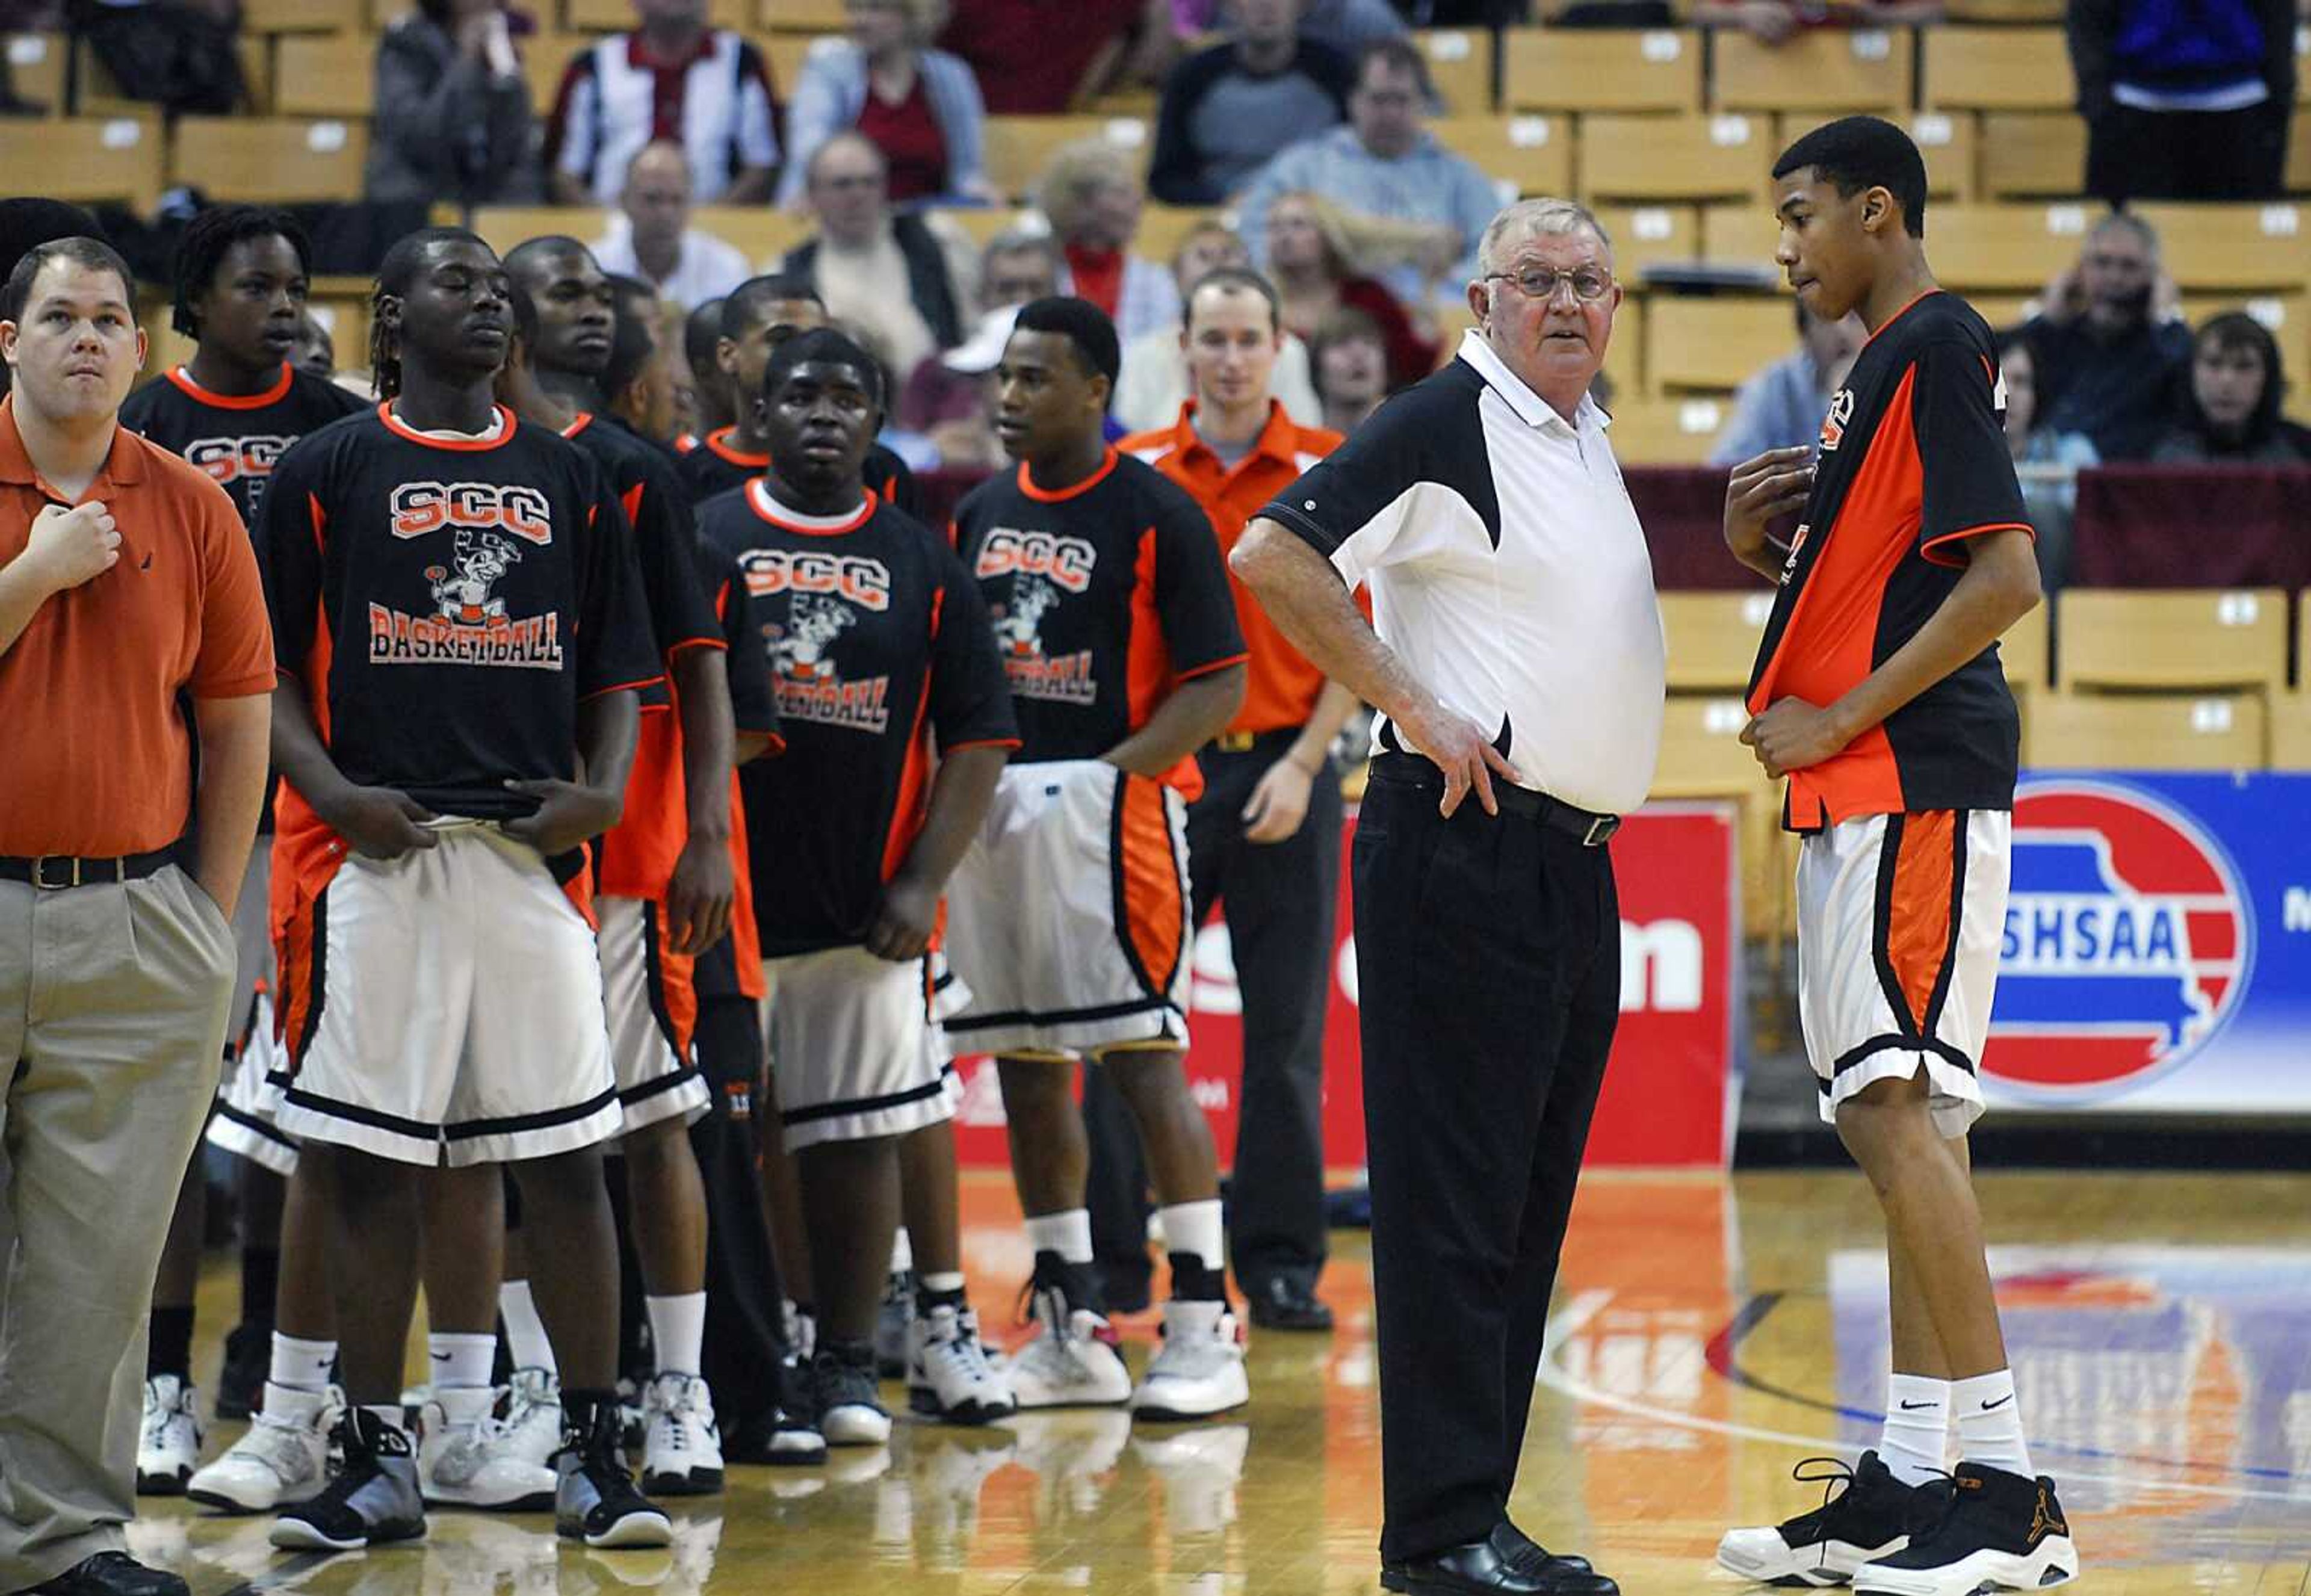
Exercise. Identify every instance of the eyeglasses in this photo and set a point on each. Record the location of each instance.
(1588, 284)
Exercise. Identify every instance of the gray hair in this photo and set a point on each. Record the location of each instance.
(2127, 221)
(1543, 214)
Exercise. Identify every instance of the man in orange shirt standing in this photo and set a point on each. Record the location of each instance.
(126, 580)
(1265, 836)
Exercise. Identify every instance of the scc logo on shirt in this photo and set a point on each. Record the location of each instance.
(1834, 424)
(226, 460)
(419, 508)
(854, 577)
(1066, 561)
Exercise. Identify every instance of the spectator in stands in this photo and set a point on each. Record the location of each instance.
(2183, 101)
(1155, 378)
(883, 271)
(2230, 416)
(25, 225)
(1347, 26)
(315, 351)
(637, 382)
(2110, 346)
(1316, 255)
(919, 106)
(1782, 406)
(1385, 164)
(1349, 357)
(1229, 110)
(965, 437)
(1014, 269)
(1042, 58)
(1091, 195)
(1774, 20)
(673, 77)
(452, 119)
(652, 238)
(2048, 461)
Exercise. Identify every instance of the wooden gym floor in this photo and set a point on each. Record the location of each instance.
(1709, 1335)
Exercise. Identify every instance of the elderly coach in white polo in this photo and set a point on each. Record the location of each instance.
(1515, 655)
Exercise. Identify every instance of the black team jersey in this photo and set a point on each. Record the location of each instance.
(880, 654)
(448, 603)
(236, 440)
(718, 465)
(1913, 462)
(1105, 596)
(732, 967)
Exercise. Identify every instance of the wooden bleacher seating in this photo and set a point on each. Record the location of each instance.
(1701, 755)
(1665, 431)
(615, 16)
(36, 68)
(87, 158)
(2290, 732)
(1461, 66)
(2027, 652)
(1739, 231)
(1826, 70)
(2233, 246)
(1604, 69)
(2150, 731)
(1018, 148)
(1713, 638)
(1530, 150)
(2016, 246)
(1675, 158)
(1948, 141)
(383, 13)
(268, 159)
(2005, 69)
(784, 52)
(303, 16)
(1162, 228)
(1715, 344)
(2005, 11)
(2179, 640)
(1644, 234)
(2032, 154)
(546, 57)
(324, 75)
(800, 16)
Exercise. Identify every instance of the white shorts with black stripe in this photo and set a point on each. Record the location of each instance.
(652, 1008)
(854, 1051)
(243, 1122)
(1068, 917)
(1900, 919)
(446, 1006)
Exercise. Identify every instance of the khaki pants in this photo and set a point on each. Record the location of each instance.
(113, 1004)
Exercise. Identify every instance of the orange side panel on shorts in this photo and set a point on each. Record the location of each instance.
(1155, 916)
(292, 948)
(678, 989)
(1918, 917)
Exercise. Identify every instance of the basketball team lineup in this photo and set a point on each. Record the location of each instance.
(612, 855)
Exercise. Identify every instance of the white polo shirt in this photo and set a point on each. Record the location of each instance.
(1507, 569)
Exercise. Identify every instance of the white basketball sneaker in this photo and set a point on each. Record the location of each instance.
(168, 1437)
(1199, 1370)
(283, 1458)
(948, 1375)
(533, 1416)
(1072, 1360)
(682, 1450)
(463, 1460)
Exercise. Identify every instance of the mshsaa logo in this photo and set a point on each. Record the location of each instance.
(2128, 942)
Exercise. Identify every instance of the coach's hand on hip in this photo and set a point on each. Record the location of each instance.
(568, 813)
(1458, 746)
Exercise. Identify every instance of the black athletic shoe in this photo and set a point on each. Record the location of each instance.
(1873, 1515)
(248, 1359)
(596, 1500)
(112, 1574)
(373, 1499)
(2001, 1532)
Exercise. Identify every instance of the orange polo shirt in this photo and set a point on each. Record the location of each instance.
(97, 759)
(1283, 685)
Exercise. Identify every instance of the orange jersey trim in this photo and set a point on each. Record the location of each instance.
(1060, 495)
(394, 424)
(183, 379)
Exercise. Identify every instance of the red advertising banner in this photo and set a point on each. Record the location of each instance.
(1668, 1090)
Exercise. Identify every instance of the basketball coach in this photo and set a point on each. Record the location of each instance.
(1515, 655)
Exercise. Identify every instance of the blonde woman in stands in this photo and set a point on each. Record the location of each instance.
(1091, 194)
(1320, 257)
(920, 107)
(453, 118)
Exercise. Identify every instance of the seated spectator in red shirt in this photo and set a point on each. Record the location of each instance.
(1041, 57)
(672, 78)
(2231, 415)
(920, 107)
(1316, 253)
(1091, 192)
(453, 119)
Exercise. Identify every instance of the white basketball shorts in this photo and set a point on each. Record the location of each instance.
(1068, 919)
(446, 1006)
(652, 1009)
(854, 1053)
(1900, 917)
(243, 1122)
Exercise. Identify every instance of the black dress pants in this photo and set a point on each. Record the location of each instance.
(1278, 900)
(1488, 974)
(2204, 155)
(743, 1345)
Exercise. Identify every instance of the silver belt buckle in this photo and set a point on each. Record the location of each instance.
(1601, 831)
(41, 882)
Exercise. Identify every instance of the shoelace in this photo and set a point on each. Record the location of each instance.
(1056, 1317)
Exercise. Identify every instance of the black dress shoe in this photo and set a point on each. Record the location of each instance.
(1525, 1551)
(1556, 1575)
(1281, 1304)
(1476, 1567)
(113, 1573)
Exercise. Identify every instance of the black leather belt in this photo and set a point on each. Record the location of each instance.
(1590, 829)
(53, 872)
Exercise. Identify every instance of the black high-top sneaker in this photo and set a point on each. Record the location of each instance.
(373, 1499)
(1865, 1512)
(2001, 1532)
(594, 1499)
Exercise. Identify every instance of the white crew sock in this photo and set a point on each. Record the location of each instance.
(461, 1361)
(1989, 1423)
(301, 1365)
(945, 1283)
(903, 1252)
(1194, 1228)
(527, 1342)
(678, 1327)
(1066, 1232)
(1917, 1427)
